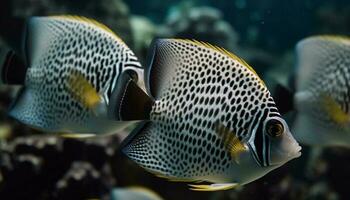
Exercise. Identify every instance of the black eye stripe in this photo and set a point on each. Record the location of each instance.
(255, 156)
(259, 139)
(266, 150)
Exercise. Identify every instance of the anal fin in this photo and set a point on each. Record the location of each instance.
(213, 187)
(77, 135)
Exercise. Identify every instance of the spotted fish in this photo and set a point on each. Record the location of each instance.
(322, 97)
(69, 74)
(208, 117)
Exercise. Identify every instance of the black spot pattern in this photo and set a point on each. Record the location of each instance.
(74, 44)
(182, 141)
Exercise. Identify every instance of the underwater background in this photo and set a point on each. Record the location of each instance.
(36, 165)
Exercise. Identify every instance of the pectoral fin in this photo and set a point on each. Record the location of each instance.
(83, 91)
(213, 187)
(334, 110)
(231, 142)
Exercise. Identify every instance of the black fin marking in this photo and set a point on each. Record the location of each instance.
(161, 66)
(13, 70)
(138, 129)
(284, 99)
(151, 60)
(128, 101)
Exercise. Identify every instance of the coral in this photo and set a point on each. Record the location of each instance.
(200, 23)
(143, 31)
(51, 167)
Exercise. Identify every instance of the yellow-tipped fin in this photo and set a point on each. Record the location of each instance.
(335, 38)
(333, 109)
(89, 21)
(83, 91)
(77, 135)
(231, 141)
(213, 187)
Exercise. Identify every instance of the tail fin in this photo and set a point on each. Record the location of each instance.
(13, 70)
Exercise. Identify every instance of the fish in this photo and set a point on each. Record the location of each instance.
(208, 118)
(68, 74)
(134, 193)
(322, 96)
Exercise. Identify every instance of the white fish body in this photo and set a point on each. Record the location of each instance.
(212, 119)
(60, 52)
(322, 96)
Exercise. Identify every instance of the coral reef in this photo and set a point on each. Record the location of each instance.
(51, 167)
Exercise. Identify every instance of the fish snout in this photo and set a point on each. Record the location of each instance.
(285, 149)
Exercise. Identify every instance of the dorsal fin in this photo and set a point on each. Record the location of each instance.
(128, 100)
(89, 21)
(166, 58)
(221, 50)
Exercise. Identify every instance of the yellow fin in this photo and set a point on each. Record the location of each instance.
(89, 21)
(77, 135)
(333, 109)
(335, 38)
(82, 90)
(213, 187)
(231, 141)
(222, 51)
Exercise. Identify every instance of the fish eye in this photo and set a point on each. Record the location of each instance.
(274, 128)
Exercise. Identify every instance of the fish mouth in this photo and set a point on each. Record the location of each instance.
(296, 153)
(284, 157)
